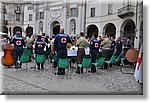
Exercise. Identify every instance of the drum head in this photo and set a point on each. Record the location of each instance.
(132, 55)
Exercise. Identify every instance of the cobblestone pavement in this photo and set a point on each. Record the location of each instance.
(33, 81)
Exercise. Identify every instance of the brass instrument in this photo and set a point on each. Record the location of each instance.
(68, 46)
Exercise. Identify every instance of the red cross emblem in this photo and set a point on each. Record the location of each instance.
(63, 40)
(18, 42)
(40, 46)
(96, 45)
(43, 39)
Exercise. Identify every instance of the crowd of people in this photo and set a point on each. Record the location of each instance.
(56, 45)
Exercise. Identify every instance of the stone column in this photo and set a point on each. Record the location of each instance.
(81, 16)
(34, 19)
(65, 13)
(46, 9)
(0, 16)
(65, 18)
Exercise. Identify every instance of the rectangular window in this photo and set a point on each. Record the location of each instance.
(30, 7)
(110, 8)
(17, 8)
(74, 12)
(30, 17)
(93, 12)
(41, 16)
(17, 17)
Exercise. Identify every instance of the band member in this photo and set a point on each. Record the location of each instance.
(112, 48)
(39, 49)
(18, 43)
(81, 44)
(60, 43)
(118, 47)
(94, 50)
(29, 44)
(45, 39)
(53, 51)
(105, 46)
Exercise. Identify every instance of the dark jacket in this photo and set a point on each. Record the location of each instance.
(39, 46)
(18, 42)
(61, 41)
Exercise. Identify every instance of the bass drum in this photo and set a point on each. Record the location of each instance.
(132, 55)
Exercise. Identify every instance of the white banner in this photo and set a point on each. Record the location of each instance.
(139, 67)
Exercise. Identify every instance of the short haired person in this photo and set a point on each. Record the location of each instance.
(60, 42)
(82, 43)
(18, 43)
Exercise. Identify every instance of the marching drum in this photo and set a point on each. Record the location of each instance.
(132, 55)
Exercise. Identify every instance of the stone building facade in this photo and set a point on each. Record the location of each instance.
(112, 17)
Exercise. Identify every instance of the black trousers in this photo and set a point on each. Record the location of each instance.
(61, 53)
(17, 55)
(94, 54)
(40, 64)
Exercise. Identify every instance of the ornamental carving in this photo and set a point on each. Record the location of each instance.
(55, 13)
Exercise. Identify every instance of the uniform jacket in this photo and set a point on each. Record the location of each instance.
(82, 42)
(18, 42)
(39, 46)
(94, 44)
(61, 41)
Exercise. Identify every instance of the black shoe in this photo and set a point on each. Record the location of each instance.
(38, 68)
(42, 68)
(62, 74)
(91, 71)
(16, 67)
(19, 65)
(78, 72)
(59, 73)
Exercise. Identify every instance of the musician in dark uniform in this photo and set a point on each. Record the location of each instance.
(94, 50)
(60, 42)
(39, 49)
(45, 39)
(18, 43)
(112, 48)
(118, 47)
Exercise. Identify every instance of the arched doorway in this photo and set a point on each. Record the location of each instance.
(72, 27)
(141, 34)
(109, 29)
(29, 31)
(55, 27)
(128, 30)
(91, 29)
(17, 28)
(5, 29)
